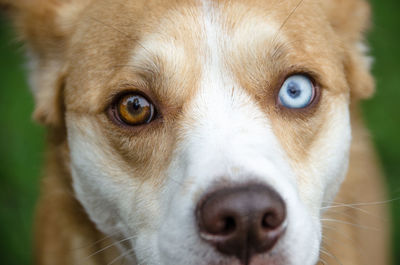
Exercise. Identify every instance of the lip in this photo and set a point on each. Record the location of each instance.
(265, 259)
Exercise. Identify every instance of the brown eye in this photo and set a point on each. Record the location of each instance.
(134, 109)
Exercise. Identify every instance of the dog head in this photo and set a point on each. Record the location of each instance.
(201, 132)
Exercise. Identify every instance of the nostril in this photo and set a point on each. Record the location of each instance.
(266, 221)
(271, 220)
(223, 226)
(229, 225)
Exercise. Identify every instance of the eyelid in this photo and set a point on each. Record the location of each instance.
(117, 89)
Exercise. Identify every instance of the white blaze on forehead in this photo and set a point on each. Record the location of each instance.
(235, 28)
(228, 125)
(214, 37)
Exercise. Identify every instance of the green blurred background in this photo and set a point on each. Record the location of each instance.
(22, 141)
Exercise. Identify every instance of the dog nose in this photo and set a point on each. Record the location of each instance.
(242, 221)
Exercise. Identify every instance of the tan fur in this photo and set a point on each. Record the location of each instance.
(365, 238)
(72, 45)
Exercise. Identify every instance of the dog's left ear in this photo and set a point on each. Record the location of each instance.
(45, 27)
(351, 19)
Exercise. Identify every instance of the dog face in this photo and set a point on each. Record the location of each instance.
(201, 132)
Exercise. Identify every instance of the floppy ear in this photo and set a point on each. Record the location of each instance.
(351, 19)
(45, 26)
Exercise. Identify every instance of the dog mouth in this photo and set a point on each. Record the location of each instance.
(269, 259)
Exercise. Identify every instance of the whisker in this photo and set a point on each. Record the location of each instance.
(352, 224)
(289, 16)
(107, 247)
(123, 255)
(323, 261)
(351, 217)
(338, 232)
(363, 203)
(330, 255)
(96, 242)
(349, 241)
(353, 208)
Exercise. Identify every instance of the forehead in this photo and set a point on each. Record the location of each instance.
(163, 46)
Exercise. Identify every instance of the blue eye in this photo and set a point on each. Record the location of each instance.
(297, 92)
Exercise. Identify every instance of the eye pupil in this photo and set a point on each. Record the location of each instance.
(293, 90)
(135, 105)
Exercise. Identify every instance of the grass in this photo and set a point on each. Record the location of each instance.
(21, 147)
(382, 112)
(21, 140)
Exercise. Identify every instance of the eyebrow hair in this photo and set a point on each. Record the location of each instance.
(280, 48)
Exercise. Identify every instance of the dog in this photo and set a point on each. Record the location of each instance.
(203, 132)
